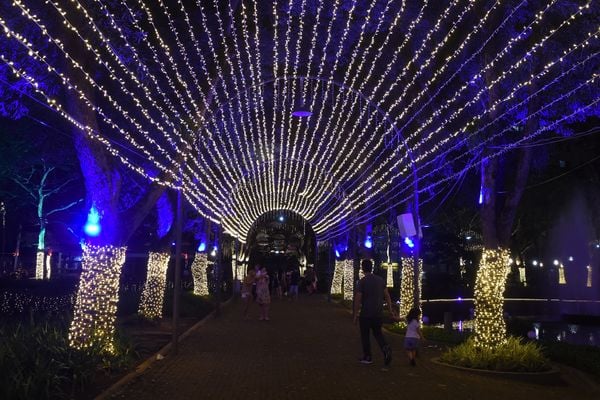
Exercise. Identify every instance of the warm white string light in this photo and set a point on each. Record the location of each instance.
(153, 294)
(208, 103)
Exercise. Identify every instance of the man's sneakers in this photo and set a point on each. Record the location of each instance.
(387, 355)
(366, 360)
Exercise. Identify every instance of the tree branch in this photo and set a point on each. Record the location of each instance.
(74, 203)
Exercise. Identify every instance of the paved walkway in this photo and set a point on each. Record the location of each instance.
(309, 350)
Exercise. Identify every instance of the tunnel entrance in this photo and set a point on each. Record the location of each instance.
(281, 241)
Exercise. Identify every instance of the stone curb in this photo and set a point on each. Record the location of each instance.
(160, 354)
(553, 376)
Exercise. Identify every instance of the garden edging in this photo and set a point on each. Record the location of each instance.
(545, 377)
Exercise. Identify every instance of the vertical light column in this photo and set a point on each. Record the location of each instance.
(199, 274)
(338, 277)
(348, 279)
(97, 297)
(407, 287)
(47, 265)
(39, 264)
(589, 276)
(153, 295)
(490, 328)
(389, 268)
(562, 280)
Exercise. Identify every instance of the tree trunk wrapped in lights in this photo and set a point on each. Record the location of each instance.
(348, 279)
(490, 328)
(39, 264)
(338, 277)
(151, 303)
(407, 285)
(199, 274)
(96, 305)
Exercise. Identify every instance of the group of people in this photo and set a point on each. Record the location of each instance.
(257, 286)
(371, 292)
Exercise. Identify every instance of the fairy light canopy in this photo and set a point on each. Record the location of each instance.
(331, 110)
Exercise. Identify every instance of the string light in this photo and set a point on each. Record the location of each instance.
(407, 285)
(97, 298)
(490, 328)
(48, 265)
(153, 294)
(199, 274)
(348, 279)
(338, 277)
(562, 280)
(201, 98)
(389, 268)
(39, 264)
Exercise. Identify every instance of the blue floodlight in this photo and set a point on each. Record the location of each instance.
(408, 241)
(368, 242)
(337, 253)
(92, 225)
(201, 247)
(281, 218)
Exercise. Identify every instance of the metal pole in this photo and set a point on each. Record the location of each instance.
(18, 248)
(3, 254)
(219, 272)
(177, 278)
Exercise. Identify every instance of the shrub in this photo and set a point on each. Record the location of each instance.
(513, 356)
(37, 363)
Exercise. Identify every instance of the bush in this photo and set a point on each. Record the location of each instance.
(513, 356)
(37, 363)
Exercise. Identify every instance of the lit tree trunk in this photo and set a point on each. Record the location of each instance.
(93, 321)
(153, 294)
(497, 221)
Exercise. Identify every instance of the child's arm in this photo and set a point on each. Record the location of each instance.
(420, 332)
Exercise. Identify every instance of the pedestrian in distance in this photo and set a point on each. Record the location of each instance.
(294, 282)
(263, 296)
(246, 293)
(413, 335)
(368, 306)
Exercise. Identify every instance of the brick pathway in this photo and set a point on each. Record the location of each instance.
(309, 350)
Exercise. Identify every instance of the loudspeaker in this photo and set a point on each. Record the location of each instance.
(406, 225)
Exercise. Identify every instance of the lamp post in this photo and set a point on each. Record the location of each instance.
(3, 253)
(177, 278)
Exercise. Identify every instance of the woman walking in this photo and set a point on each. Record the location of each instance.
(263, 297)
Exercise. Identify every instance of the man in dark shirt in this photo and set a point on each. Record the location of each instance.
(370, 294)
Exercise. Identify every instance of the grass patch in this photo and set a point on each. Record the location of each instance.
(514, 356)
